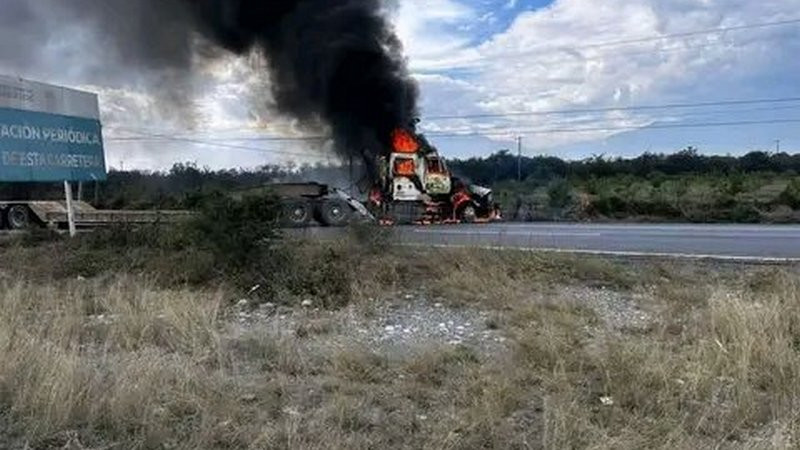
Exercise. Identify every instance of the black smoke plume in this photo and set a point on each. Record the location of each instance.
(335, 61)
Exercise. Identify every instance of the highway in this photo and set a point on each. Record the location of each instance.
(733, 242)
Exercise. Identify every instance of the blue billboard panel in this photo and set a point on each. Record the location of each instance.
(36, 146)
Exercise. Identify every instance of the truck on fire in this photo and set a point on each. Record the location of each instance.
(414, 186)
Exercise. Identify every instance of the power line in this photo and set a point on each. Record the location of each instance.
(663, 118)
(692, 33)
(223, 145)
(150, 136)
(620, 108)
(653, 52)
(496, 132)
(697, 115)
(645, 39)
(145, 137)
(620, 128)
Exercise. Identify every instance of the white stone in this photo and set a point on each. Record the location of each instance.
(606, 401)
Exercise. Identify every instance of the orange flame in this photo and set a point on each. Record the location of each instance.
(404, 142)
(404, 167)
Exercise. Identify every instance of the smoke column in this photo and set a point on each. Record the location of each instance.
(335, 62)
(338, 61)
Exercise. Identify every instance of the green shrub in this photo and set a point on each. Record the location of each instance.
(791, 195)
(235, 231)
(560, 194)
(293, 272)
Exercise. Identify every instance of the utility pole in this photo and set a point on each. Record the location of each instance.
(777, 146)
(519, 158)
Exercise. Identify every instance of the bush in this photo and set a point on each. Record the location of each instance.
(791, 195)
(295, 271)
(560, 194)
(222, 242)
(236, 232)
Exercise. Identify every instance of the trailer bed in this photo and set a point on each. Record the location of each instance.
(53, 214)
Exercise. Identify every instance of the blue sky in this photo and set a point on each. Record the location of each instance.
(500, 57)
(513, 60)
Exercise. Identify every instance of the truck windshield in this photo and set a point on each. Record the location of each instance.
(435, 166)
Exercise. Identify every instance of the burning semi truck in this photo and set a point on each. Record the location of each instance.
(415, 186)
(412, 186)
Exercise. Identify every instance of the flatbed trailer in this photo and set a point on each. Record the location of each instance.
(18, 215)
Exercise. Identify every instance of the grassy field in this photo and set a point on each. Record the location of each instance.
(151, 347)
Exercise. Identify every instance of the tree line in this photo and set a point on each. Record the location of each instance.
(184, 184)
(503, 166)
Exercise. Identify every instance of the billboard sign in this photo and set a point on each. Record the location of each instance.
(49, 133)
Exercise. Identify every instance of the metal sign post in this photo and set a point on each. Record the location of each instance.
(70, 210)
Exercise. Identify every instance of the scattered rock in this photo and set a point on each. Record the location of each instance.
(254, 288)
(617, 309)
(395, 326)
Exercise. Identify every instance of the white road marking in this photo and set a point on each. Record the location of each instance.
(731, 258)
(511, 233)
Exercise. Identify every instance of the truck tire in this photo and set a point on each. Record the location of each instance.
(334, 212)
(18, 217)
(296, 213)
(469, 214)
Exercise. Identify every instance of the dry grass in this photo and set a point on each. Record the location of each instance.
(122, 361)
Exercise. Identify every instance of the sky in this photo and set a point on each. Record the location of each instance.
(571, 78)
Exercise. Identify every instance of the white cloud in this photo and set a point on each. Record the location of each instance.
(544, 60)
(429, 28)
(547, 60)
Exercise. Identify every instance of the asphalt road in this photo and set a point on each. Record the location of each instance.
(745, 242)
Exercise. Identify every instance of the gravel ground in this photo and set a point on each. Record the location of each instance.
(618, 310)
(408, 322)
(405, 323)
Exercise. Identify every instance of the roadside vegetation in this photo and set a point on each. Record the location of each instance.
(683, 187)
(156, 338)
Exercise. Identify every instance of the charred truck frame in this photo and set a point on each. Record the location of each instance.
(415, 186)
(412, 186)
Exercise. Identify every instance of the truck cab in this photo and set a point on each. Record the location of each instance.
(415, 186)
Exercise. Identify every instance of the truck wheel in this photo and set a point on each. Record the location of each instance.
(18, 217)
(334, 213)
(296, 213)
(469, 214)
